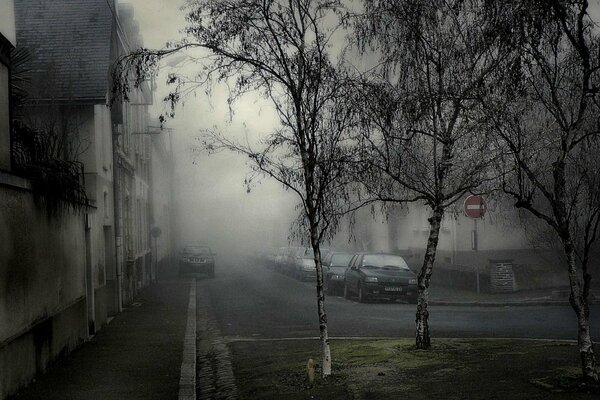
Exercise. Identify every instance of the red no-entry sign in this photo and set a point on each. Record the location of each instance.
(475, 207)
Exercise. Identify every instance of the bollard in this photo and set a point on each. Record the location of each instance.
(310, 371)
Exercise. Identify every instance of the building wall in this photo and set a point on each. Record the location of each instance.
(99, 177)
(42, 284)
(91, 130)
(4, 119)
(133, 152)
(162, 191)
(7, 40)
(42, 262)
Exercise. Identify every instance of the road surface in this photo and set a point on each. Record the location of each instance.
(250, 301)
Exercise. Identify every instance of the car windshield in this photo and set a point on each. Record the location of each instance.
(384, 261)
(197, 250)
(340, 260)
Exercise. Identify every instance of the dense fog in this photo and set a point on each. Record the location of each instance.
(299, 199)
(212, 201)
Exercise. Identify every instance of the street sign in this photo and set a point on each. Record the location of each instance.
(475, 206)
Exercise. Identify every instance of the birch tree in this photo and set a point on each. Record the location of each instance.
(425, 135)
(282, 50)
(546, 114)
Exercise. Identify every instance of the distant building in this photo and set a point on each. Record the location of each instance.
(497, 242)
(162, 213)
(132, 156)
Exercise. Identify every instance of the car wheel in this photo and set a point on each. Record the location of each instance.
(362, 298)
(346, 291)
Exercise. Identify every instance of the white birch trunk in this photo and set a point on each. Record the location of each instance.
(580, 305)
(423, 339)
(578, 297)
(323, 331)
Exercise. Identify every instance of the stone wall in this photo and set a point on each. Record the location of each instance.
(42, 284)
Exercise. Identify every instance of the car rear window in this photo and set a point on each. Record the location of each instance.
(341, 260)
(196, 250)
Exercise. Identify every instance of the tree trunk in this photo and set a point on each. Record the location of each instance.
(323, 332)
(579, 303)
(577, 297)
(423, 340)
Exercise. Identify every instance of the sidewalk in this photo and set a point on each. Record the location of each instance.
(137, 356)
(441, 295)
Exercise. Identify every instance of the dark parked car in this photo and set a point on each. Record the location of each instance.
(380, 275)
(197, 259)
(335, 265)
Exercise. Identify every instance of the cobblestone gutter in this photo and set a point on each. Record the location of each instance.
(214, 373)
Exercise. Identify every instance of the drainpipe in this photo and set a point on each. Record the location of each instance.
(118, 222)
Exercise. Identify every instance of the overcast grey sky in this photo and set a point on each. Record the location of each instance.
(214, 202)
(214, 205)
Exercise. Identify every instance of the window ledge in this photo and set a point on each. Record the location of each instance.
(8, 179)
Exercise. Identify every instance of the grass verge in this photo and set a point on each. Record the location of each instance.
(387, 369)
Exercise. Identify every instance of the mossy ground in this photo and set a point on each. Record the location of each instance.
(389, 369)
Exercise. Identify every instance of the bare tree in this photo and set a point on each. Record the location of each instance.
(425, 137)
(546, 114)
(281, 49)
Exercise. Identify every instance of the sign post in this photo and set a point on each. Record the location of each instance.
(475, 208)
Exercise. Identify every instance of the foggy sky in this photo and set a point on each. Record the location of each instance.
(214, 207)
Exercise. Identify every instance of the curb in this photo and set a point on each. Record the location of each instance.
(523, 303)
(230, 339)
(187, 380)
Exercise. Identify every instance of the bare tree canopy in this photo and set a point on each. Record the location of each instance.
(546, 115)
(426, 137)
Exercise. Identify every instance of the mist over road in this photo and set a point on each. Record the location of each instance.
(250, 301)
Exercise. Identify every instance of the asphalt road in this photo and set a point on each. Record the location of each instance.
(250, 301)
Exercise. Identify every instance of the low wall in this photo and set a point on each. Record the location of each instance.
(526, 277)
(42, 284)
(45, 342)
(532, 269)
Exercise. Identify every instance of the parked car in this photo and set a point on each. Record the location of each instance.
(288, 260)
(197, 259)
(380, 275)
(281, 258)
(334, 268)
(304, 264)
(271, 258)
